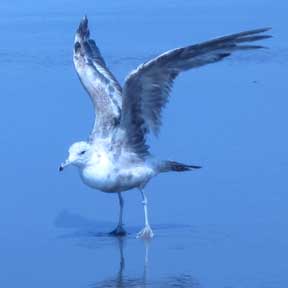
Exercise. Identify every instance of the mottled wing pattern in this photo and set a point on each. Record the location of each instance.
(147, 88)
(102, 87)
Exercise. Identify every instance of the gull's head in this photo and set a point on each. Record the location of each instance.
(78, 155)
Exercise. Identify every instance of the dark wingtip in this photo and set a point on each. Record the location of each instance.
(250, 47)
(85, 21)
(83, 29)
(195, 166)
(267, 28)
(259, 30)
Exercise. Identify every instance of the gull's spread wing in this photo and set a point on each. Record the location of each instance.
(102, 87)
(147, 88)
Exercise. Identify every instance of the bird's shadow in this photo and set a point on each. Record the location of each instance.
(81, 227)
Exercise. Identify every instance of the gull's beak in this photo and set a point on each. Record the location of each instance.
(64, 164)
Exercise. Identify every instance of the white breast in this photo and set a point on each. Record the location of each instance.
(96, 173)
(101, 172)
(116, 180)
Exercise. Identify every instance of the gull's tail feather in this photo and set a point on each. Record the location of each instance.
(168, 166)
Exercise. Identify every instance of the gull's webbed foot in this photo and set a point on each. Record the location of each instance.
(146, 233)
(118, 231)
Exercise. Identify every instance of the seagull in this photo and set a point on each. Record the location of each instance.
(116, 156)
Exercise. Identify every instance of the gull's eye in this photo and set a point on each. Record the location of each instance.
(82, 152)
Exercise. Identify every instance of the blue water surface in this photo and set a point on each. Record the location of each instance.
(222, 226)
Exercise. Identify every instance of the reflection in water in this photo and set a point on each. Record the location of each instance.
(123, 281)
(120, 281)
(90, 236)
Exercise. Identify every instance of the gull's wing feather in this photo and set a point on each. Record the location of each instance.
(102, 87)
(147, 88)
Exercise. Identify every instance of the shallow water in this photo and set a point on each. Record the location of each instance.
(223, 226)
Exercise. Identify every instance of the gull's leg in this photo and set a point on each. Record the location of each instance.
(119, 230)
(146, 232)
